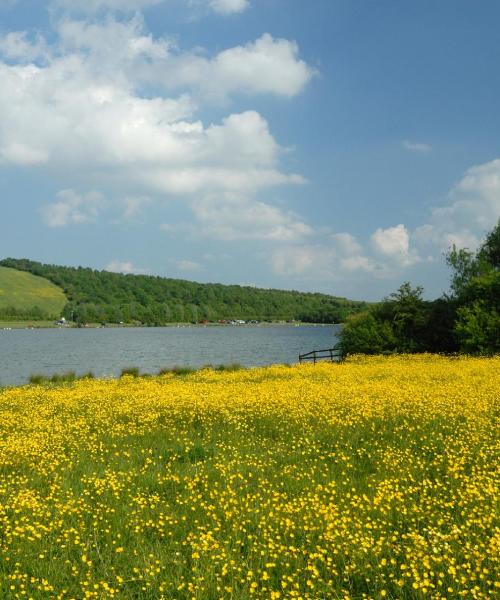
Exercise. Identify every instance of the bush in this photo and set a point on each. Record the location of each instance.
(363, 334)
(130, 371)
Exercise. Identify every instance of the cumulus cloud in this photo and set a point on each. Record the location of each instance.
(222, 7)
(93, 6)
(226, 7)
(71, 208)
(126, 267)
(347, 244)
(232, 217)
(267, 65)
(16, 45)
(336, 258)
(237, 218)
(394, 243)
(86, 108)
(472, 209)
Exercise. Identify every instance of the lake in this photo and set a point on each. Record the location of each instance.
(106, 351)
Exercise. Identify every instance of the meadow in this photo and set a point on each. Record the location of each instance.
(23, 292)
(373, 478)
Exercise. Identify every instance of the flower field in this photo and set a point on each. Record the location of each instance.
(374, 478)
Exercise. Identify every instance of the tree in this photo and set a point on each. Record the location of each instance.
(364, 334)
(490, 250)
(478, 328)
(476, 287)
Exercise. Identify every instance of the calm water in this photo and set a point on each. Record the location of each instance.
(106, 351)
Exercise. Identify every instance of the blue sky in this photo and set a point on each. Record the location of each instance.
(334, 145)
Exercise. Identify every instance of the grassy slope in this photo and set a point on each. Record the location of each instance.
(23, 291)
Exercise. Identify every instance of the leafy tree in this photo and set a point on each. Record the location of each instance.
(478, 328)
(490, 250)
(364, 334)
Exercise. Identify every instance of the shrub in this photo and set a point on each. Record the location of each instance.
(130, 371)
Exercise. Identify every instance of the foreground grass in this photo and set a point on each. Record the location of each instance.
(374, 478)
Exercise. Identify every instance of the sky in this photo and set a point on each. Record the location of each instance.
(338, 146)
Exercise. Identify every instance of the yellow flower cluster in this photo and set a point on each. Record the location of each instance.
(374, 478)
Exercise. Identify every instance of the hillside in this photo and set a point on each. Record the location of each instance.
(113, 297)
(26, 296)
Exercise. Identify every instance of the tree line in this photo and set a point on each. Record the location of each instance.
(467, 319)
(105, 297)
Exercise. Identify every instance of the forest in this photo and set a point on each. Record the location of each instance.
(105, 297)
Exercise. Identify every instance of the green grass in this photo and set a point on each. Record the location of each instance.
(27, 323)
(23, 291)
(374, 478)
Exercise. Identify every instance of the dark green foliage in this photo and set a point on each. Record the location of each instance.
(103, 297)
(477, 295)
(231, 367)
(366, 335)
(35, 313)
(182, 370)
(176, 371)
(67, 377)
(467, 321)
(130, 371)
(402, 323)
(490, 249)
(478, 328)
(37, 379)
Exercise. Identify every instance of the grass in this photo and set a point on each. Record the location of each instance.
(185, 370)
(373, 478)
(68, 377)
(23, 291)
(27, 324)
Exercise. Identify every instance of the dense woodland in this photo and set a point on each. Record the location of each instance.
(101, 296)
(465, 320)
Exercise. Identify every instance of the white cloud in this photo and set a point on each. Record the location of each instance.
(393, 243)
(333, 260)
(359, 263)
(72, 208)
(126, 267)
(305, 261)
(237, 218)
(267, 65)
(232, 217)
(83, 111)
(417, 147)
(346, 244)
(16, 45)
(226, 7)
(473, 208)
(223, 7)
(93, 6)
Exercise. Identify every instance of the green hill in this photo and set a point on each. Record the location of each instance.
(26, 296)
(101, 296)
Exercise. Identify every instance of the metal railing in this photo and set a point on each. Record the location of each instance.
(332, 354)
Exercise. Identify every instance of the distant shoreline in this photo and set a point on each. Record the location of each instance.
(7, 325)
